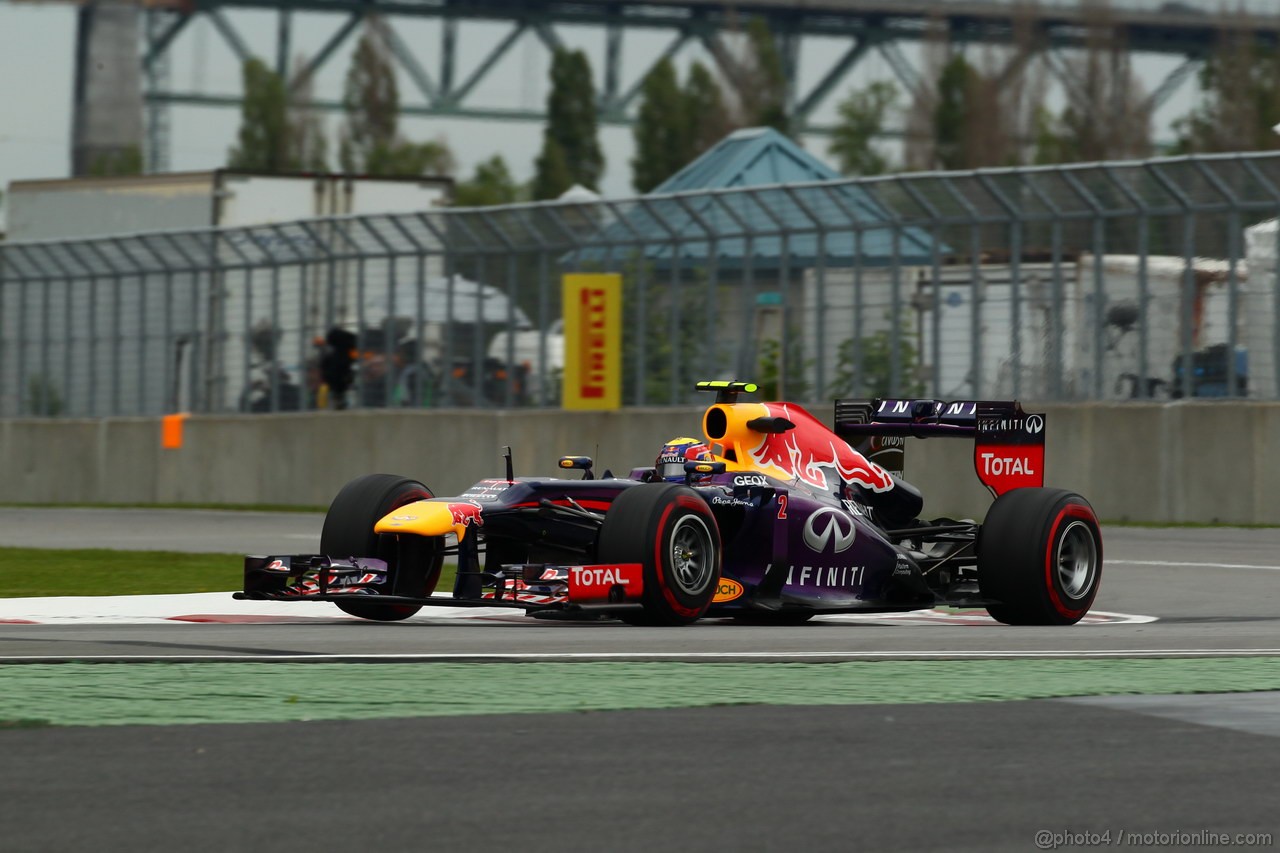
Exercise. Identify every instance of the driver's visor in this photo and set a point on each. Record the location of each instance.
(671, 466)
(671, 470)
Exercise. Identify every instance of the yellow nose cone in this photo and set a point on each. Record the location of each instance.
(430, 518)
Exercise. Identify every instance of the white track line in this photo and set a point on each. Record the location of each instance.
(218, 607)
(692, 657)
(1180, 564)
(976, 618)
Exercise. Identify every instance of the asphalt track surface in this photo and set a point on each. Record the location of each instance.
(1212, 591)
(889, 777)
(983, 776)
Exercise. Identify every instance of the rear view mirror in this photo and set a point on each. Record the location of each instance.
(579, 463)
(773, 426)
(702, 469)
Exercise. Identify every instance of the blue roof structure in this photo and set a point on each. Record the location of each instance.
(751, 157)
(795, 206)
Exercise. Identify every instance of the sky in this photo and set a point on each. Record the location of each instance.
(37, 45)
(36, 65)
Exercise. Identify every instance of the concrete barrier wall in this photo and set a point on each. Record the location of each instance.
(1179, 462)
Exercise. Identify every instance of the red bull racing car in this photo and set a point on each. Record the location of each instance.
(771, 518)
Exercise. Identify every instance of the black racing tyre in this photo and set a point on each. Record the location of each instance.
(414, 561)
(669, 530)
(1040, 556)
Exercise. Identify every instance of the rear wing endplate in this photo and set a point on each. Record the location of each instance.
(1008, 448)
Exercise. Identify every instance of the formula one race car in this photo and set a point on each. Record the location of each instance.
(775, 519)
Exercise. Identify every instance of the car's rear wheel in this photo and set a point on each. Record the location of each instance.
(1040, 557)
(413, 562)
(671, 532)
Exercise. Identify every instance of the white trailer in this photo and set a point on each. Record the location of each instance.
(1075, 330)
(1262, 310)
(1205, 296)
(845, 306)
(98, 207)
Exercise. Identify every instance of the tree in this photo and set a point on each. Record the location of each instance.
(675, 125)
(757, 79)
(122, 161)
(982, 107)
(1050, 144)
(1241, 101)
(708, 115)
(862, 116)
(263, 141)
(674, 350)
(662, 130)
(782, 373)
(864, 367)
(950, 116)
(551, 171)
(370, 98)
(401, 157)
(370, 141)
(490, 184)
(307, 146)
(763, 87)
(981, 116)
(570, 144)
(1106, 117)
(278, 133)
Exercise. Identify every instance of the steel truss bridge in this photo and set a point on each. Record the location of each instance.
(446, 85)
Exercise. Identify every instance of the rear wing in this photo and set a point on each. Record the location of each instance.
(1008, 447)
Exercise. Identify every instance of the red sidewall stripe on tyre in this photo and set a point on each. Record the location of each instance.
(1075, 511)
(412, 497)
(659, 572)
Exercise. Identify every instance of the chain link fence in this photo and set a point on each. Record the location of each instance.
(1135, 280)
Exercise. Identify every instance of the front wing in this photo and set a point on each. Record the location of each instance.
(602, 588)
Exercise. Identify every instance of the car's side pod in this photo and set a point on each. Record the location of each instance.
(1008, 450)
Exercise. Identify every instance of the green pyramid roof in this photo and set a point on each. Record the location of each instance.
(751, 157)
(793, 193)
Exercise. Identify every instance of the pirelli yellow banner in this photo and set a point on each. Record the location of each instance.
(592, 341)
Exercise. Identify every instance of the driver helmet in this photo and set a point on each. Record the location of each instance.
(676, 452)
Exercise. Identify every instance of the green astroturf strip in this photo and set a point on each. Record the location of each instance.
(76, 694)
(41, 572)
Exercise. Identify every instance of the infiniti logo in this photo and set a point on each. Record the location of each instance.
(1035, 424)
(834, 528)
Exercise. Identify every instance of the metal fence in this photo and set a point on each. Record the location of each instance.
(1099, 281)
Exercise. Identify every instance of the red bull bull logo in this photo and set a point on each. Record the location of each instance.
(813, 454)
(466, 514)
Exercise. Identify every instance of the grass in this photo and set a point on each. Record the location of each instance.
(39, 572)
(25, 724)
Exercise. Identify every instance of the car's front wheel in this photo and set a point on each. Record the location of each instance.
(1040, 557)
(671, 532)
(413, 562)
